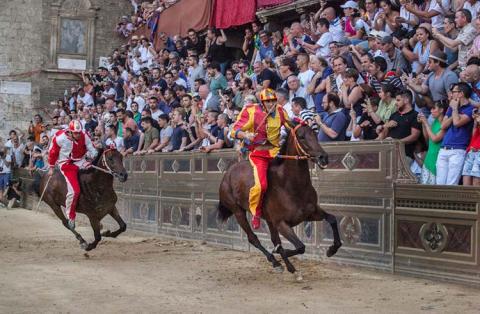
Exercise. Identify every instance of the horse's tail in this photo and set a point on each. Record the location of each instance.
(223, 212)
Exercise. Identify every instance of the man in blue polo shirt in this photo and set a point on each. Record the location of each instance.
(457, 124)
(334, 126)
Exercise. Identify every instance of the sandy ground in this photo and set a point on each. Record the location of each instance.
(43, 270)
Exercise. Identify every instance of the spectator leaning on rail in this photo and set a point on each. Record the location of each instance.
(457, 125)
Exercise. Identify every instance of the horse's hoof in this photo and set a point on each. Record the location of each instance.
(298, 276)
(90, 247)
(106, 233)
(332, 250)
(84, 246)
(278, 269)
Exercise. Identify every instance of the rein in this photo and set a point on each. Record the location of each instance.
(301, 153)
(105, 164)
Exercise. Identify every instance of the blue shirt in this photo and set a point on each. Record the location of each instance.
(459, 138)
(266, 52)
(132, 142)
(338, 122)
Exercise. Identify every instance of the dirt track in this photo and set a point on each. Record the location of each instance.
(43, 270)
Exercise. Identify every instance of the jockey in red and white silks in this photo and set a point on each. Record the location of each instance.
(68, 149)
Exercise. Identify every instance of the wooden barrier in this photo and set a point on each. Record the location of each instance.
(386, 221)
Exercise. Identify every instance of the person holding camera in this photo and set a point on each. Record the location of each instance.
(5, 171)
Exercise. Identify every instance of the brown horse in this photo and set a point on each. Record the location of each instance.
(289, 200)
(97, 197)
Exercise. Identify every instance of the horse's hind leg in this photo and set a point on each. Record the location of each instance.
(123, 226)
(95, 223)
(58, 211)
(253, 239)
(319, 215)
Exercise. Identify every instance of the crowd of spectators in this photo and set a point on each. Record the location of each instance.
(144, 13)
(367, 70)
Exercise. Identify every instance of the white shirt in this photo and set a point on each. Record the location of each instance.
(324, 42)
(3, 164)
(117, 142)
(472, 8)
(181, 82)
(302, 92)
(306, 77)
(87, 99)
(156, 114)
(437, 21)
(336, 29)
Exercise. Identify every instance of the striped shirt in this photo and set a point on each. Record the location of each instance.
(390, 78)
(306, 115)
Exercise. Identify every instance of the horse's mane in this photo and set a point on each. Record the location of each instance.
(95, 161)
(283, 149)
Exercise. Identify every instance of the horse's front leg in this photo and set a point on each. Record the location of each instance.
(122, 225)
(95, 223)
(286, 231)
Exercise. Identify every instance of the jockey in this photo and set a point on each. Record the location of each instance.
(68, 149)
(259, 126)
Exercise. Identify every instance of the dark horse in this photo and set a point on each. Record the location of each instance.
(290, 197)
(97, 197)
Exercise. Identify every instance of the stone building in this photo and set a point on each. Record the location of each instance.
(45, 45)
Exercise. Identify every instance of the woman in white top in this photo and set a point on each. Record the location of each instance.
(422, 50)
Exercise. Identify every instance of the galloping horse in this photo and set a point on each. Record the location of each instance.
(97, 197)
(289, 200)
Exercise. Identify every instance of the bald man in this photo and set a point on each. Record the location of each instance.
(298, 39)
(335, 28)
(471, 75)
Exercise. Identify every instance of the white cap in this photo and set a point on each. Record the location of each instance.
(350, 4)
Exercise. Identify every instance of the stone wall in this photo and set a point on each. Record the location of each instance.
(25, 36)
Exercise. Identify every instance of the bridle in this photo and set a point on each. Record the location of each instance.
(104, 163)
(301, 153)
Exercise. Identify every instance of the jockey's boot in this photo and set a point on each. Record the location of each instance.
(71, 224)
(256, 222)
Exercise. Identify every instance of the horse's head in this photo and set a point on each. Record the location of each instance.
(306, 143)
(112, 161)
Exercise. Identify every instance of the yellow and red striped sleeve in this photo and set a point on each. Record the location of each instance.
(244, 121)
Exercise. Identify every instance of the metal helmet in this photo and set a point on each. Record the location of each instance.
(267, 94)
(75, 126)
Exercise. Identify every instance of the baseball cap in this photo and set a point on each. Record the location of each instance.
(350, 4)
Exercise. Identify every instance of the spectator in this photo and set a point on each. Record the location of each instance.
(265, 50)
(437, 84)
(112, 140)
(351, 94)
(471, 168)
(151, 136)
(422, 50)
(335, 28)
(365, 126)
(90, 124)
(471, 75)
(266, 78)
(378, 74)
(36, 127)
(195, 71)
(194, 42)
(297, 90)
(179, 135)
(434, 135)
(387, 19)
(13, 194)
(396, 61)
(299, 109)
(215, 135)
(84, 98)
(334, 126)
(5, 172)
(403, 124)
(165, 135)
(131, 141)
(458, 125)
(297, 39)
(321, 47)
(153, 105)
(216, 48)
(465, 38)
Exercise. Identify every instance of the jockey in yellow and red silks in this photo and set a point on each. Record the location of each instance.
(259, 126)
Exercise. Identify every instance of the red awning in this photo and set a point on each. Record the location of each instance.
(180, 17)
(270, 3)
(228, 13)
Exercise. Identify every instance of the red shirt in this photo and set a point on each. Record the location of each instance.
(475, 141)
